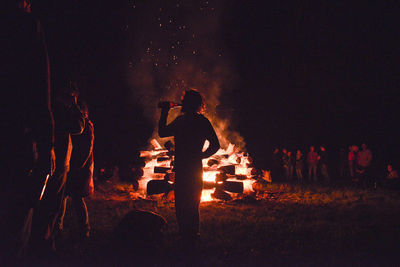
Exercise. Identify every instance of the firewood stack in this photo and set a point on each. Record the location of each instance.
(225, 174)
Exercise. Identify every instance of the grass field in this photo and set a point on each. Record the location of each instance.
(290, 224)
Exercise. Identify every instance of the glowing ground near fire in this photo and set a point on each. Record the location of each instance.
(289, 224)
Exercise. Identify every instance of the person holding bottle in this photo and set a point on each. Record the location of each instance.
(190, 131)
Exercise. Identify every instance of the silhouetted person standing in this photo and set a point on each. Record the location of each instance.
(190, 131)
(392, 178)
(323, 163)
(353, 150)
(68, 121)
(80, 176)
(285, 162)
(312, 160)
(363, 159)
(299, 165)
(26, 136)
(291, 164)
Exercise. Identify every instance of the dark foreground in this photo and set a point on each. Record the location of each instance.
(311, 225)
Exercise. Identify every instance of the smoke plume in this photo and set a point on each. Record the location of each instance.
(174, 47)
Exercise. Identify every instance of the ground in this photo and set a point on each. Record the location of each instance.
(305, 225)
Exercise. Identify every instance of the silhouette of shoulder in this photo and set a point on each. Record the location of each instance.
(190, 122)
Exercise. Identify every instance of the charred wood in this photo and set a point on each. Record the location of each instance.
(212, 162)
(158, 169)
(228, 169)
(220, 194)
(161, 159)
(155, 187)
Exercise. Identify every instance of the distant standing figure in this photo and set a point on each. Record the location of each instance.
(276, 165)
(392, 174)
(323, 163)
(80, 177)
(299, 165)
(392, 178)
(190, 131)
(285, 162)
(312, 160)
(291, 163)
(364, 158)
(352, 158)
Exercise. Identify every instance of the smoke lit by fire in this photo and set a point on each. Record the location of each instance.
(177, 47)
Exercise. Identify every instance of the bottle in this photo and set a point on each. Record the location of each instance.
(168, 104)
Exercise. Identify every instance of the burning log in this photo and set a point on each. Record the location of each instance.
(230, 186)
(228, 169)
(240, 177)
(153, 154)
(160, 169)
(169, 146)
(156, 144)
(212, 162)
(222, 195)
(163, 186)
(220, 157)
(221, 177)
(162, 159)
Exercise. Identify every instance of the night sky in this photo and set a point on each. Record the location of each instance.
(282, 73)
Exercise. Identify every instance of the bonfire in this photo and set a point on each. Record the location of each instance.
(226, 175)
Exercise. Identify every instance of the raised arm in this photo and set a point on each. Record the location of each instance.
(163, 129)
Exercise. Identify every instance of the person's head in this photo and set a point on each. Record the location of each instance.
(390, 168)
(84, 109)
(25, 6)
(289, 153)
(68, 94)
(355, 148)
(322, 148)
(284, 151)
(298, 152)
(312, 148)
(364, 146)
(192, 102)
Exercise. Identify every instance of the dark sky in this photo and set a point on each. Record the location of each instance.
(288, 73)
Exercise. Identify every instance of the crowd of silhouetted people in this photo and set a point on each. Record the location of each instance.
(318, 165)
